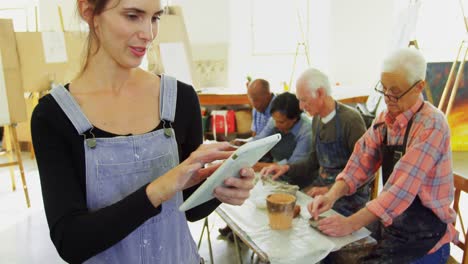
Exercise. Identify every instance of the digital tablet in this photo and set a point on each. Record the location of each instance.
(245, 156)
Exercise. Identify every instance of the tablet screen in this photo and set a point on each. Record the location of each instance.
(244, 157)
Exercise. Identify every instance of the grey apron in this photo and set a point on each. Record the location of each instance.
(285, 147)
(332, 157)
(414, 232)
(118, 166)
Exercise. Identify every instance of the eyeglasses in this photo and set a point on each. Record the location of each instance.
(393, 98)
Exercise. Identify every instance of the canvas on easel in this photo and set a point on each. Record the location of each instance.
(38, 71)
(12, 90)
(12, 102)
(438, 77)
(4, 111)
(173, 47)
(454, 99)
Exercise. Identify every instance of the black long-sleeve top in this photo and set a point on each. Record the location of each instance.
(76, 232)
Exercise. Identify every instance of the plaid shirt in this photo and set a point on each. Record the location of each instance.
(425, 169)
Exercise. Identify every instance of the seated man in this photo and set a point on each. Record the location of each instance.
(295, 129)
(260, 97)
(411, 140)
(335, 129)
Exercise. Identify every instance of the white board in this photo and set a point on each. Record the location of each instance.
(176, 62)
(4, 112)
(405, 26)
(54, 47)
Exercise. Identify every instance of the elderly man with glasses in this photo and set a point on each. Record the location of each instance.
(411, 141)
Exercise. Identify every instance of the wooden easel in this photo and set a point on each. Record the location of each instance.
(173, 30)
(306, 52)
(449, 88)
(413, 43)
(14, 105)
(302, 43)
(12, 148)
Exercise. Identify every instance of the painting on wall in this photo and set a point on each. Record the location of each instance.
(437, 75)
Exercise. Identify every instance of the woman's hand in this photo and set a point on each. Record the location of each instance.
(237, 190)
(188, 173)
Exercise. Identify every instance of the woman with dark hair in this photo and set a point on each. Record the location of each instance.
(296, 136)
(118, 149)
(295, 128)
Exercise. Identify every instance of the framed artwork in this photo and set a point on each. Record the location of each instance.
(437, 75)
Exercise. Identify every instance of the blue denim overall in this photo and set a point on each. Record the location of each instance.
(118, 166)
(414, 232)
(332, 157)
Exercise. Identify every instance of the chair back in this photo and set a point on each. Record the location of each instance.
(461, 185)
(374, 190)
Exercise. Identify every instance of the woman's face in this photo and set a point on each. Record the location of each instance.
(282, 122)
(125, 29)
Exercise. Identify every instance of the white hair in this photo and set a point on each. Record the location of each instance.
(315, 79)
(408, 60)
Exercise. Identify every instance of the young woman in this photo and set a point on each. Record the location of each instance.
(109, 144)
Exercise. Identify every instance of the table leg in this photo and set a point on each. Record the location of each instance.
(205, 225)
(238, 249)
(209, 241)
(210, 249)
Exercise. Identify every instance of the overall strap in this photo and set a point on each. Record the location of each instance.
(408, 127)
(339, 131)
(71, 108)
(168, 98)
